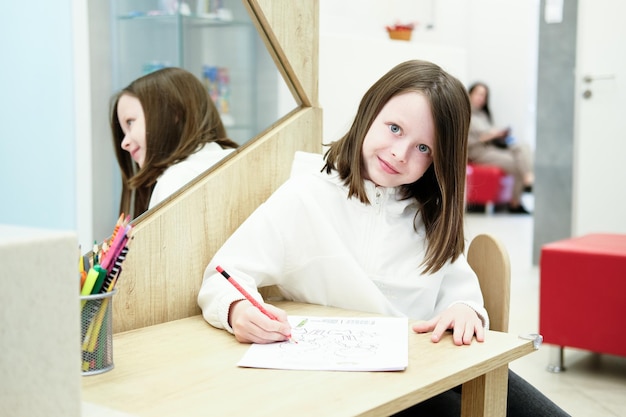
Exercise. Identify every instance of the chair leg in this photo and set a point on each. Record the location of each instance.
(556, 364)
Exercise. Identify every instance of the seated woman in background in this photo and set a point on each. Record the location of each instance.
(166, 131)
(490, 145)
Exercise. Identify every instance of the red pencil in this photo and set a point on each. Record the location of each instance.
(246, 294)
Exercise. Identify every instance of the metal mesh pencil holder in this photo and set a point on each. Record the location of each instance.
(96, 327)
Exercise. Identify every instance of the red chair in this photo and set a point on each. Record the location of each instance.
(582, 294)
(488, 186)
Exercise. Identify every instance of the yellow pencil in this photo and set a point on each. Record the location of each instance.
(89, 343)
(98, 325)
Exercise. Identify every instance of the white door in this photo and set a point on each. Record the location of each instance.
(600, 123)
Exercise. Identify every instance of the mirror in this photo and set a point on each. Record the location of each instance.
(216, 41)
(196, 35)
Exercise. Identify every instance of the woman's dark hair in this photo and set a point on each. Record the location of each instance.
(486, 105)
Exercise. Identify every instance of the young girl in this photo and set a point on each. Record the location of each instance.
(514, 158)
(166, 131)
(378, 227)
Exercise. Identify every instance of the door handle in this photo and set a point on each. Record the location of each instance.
(590, 78)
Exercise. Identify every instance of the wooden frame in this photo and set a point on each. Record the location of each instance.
(173, 243)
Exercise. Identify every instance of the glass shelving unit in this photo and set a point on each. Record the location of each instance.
(215, 40)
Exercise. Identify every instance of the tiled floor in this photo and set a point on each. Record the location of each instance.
(592, 385)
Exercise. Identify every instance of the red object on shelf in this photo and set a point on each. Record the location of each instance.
(399, 26)
(400, 31)
(487, 184)
(582, 294)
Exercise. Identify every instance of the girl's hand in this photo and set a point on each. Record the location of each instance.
(250, 325)
(463, 321)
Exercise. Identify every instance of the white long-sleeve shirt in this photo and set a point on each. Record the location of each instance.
(319, 247)
(178, 175)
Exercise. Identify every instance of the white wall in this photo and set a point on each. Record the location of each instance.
(488, 40)
(345, 78)
(503, 36)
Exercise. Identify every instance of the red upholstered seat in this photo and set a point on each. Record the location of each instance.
(487, 185)
(582, 297)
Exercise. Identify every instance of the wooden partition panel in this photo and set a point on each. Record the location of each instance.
(295, 40)
(173, 243)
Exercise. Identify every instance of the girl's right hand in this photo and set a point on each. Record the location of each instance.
(250, 325)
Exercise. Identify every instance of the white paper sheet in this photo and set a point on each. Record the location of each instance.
(336, 344)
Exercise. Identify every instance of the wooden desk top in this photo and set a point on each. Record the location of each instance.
(188, 368)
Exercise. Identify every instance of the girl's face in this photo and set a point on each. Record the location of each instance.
(398, 146)
(478, 97)
(131, 119)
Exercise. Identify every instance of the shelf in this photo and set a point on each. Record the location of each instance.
(195, 19)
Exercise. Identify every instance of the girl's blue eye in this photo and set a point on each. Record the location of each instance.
(394, 128)
(423, 148)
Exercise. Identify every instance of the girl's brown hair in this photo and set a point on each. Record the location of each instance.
(180, 116)
(440, 192)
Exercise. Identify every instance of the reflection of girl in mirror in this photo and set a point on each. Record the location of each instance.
(166, 131)
(492, 145)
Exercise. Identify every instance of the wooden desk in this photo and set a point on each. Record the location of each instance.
(188, 368)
